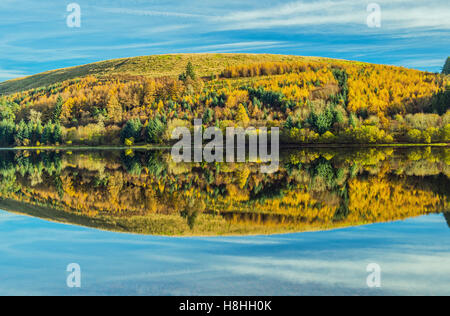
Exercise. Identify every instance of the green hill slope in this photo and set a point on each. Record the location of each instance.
(151, 66)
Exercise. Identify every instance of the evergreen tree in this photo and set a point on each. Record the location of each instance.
(7, 130)
(208, 116)
(190, 73)
(22, 133)
(47, 132)
(132, 129)
(446, 68)
(154, 131)
(57, 134)
(58, 109)
(353, 121)
(289, 124)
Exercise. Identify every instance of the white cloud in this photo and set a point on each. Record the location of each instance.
(10, 74)
(239, 46)
(151, 13)
(395, 15)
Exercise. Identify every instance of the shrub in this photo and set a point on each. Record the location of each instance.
(129, 141)
(327, 137)
(91, 134)
(445, 133)
(414, 136)
(423, 121)
(367, 134)
(132, 129)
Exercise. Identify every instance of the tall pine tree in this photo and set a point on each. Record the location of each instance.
(446, 68)
(58, 109)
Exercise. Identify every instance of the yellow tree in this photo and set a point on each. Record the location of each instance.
(115, 112)
(242, 115)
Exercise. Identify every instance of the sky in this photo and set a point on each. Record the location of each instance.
(413, 257)
(35, 35)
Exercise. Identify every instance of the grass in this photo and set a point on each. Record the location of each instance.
(151, 66)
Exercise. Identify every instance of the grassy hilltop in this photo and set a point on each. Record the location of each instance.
(141, 100)
(149, 66)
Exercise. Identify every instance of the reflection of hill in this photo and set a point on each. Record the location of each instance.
(144, 192)
(447, 218)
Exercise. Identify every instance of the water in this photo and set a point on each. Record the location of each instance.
(137, 223)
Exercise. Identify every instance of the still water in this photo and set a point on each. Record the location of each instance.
(137, 223)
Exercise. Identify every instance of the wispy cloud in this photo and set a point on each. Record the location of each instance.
(395, 15)
(238, 47)
(420, 62)
(10, 74)
(152, 13)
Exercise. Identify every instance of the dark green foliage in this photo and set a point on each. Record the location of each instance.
(190, 216)
(267, 97)
(208, 116)
(7, 130)
(58, 109)
(29, 134)
(341, 77)
(47, 133)
(22, 133)
(353, 120)
(155, 163)
(343, 210)
(290, 123)
(189, 73)
(59, 187)
(447, 218)
(56, 134)
(324, 121)
(154, 131)
(132, 164)
(132, 129)
(440, 102)
(446, 68)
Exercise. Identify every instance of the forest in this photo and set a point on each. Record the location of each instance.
(312, 101)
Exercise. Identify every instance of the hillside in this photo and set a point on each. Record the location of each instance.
(149, 66)
(141, 100)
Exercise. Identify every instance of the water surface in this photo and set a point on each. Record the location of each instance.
(310, 228)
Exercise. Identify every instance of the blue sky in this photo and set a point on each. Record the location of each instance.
(414, 257)
(34, 36)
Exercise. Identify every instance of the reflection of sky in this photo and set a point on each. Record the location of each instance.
(414, 256)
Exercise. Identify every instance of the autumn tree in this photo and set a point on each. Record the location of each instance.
(114, 109)
(242, 116)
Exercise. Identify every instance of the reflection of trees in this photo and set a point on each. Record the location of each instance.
(447, 218)
(318, 188)
(192, 209)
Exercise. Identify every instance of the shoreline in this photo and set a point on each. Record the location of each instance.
(165, 147)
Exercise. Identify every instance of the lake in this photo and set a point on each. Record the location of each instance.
(137, 223)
